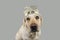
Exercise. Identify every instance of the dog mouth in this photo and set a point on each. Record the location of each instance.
(33, 28)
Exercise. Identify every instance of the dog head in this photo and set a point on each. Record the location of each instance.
(32, 19)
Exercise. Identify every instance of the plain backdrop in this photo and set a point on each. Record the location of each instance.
(12, 14)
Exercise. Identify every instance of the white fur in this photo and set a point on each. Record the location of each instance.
(24, 34)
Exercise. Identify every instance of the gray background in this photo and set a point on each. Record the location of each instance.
(11, 16)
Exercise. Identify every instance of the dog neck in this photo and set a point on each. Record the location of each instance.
(32, 35)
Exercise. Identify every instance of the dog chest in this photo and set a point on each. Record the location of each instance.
(31, 36)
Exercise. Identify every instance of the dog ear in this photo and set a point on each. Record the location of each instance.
(24, 20)
(41, 18)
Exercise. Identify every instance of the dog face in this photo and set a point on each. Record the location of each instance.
(33, 22)
(32, 19)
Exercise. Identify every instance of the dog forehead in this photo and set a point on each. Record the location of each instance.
(32, 15)
(35, 13)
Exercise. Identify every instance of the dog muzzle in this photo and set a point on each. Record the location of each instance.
(33, 27)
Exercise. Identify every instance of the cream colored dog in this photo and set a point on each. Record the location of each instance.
(31, 28)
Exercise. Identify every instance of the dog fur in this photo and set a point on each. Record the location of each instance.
(24, 32)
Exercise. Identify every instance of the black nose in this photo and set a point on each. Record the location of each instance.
(33, 28)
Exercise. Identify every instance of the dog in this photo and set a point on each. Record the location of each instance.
(31, 27)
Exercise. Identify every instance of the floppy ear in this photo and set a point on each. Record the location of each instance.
(24, 21)
(41, 19)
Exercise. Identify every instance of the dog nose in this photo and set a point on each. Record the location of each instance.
(33, 27)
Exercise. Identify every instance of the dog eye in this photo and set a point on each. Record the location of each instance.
(28, 18)
(37, 17)
(28, 12)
